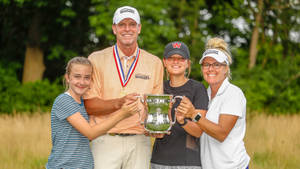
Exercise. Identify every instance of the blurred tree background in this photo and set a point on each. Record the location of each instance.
(38, 37)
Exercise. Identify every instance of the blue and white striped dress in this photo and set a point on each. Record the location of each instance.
(70, 148)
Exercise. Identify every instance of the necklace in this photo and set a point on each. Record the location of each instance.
(178, 83)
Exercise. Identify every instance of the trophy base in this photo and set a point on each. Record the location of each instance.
(162, 128)
(157, 132)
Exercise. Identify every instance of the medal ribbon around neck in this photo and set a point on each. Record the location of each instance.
(124, 80)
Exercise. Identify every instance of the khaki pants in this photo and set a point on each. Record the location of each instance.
(121, 152)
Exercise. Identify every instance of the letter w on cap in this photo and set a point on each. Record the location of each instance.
(176, 45)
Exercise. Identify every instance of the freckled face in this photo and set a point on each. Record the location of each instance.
(79, 79)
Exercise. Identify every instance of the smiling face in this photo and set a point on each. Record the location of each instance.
(79, 79)
(127, 32)
(176, 65)
(214, 75)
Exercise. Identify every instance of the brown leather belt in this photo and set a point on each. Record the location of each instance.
(121, 134)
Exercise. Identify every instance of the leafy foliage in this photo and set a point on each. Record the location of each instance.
(69, 28)
(271, 87)
(30, 97)
(157, 28)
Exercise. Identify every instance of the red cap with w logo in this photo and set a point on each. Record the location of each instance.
(177, 47)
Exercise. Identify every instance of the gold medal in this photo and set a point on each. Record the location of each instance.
(123, 92)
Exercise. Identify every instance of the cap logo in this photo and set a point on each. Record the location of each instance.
(210, 52)
(126, 10)
(176, 45)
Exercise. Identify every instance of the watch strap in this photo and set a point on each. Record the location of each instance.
(184, 122)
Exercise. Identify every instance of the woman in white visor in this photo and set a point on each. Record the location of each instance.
(224, 126)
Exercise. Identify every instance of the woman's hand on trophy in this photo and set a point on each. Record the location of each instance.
(186, 108)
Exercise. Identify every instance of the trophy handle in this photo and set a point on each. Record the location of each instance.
(176, 97)
(142, 99)
(173, 101)
(173, 122)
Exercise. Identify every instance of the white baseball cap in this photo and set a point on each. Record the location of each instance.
(126, 12)
(216, 54)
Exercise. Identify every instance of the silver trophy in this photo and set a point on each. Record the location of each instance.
(158, 118)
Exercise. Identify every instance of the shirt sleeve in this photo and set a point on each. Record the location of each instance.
(234, 103)
(159, 77)
(201, 97)
(65, 107)
(95, 89)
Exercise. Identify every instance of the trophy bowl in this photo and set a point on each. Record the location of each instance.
(158, 118)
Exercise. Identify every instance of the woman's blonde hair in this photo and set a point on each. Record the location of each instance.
(76, 60)
(220, 44)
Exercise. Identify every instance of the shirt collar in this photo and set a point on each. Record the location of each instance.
(122, 55)
(221, 90)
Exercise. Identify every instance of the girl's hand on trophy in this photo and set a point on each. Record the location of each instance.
(132, 97)
(179, 117)
(186, 107)
(129, 108)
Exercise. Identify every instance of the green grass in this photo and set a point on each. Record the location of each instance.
(267, 159)
(272, 142)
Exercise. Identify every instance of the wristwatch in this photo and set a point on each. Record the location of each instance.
(197, 117)
(184, 122)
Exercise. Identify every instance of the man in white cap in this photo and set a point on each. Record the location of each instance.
(119, 70)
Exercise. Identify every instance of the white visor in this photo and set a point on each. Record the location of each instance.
(126, 12)
(216, 54)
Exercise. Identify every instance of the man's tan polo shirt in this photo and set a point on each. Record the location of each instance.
(147, 78)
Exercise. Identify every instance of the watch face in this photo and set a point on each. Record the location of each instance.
(197, 117)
